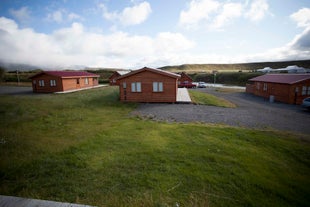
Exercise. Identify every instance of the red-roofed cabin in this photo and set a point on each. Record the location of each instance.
(185, 81)
(148, 85)
(58, 81)
(287, 88)
(115, 75)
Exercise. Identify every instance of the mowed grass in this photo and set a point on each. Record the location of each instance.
(85, 148)
(203, 98)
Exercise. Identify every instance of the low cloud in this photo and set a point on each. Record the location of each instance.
(74, 45)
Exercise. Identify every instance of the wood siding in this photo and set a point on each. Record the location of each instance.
(62, 84)
(185, 78)
(146, 78)
(285, 93)
(112, 79)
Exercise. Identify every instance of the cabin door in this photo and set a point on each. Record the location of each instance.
(78, 83)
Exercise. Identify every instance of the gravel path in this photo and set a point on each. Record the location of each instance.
(252, 112)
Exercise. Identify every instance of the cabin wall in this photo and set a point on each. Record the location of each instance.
(146, 78)
(286, 93)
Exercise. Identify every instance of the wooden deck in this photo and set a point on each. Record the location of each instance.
(12, 201)
(183, 96)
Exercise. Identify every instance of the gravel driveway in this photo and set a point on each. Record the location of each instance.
(251, 111)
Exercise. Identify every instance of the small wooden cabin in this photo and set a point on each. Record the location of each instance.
(148, 85)
(113, 78)
(185, 81)
(58, 81)
(287, 88)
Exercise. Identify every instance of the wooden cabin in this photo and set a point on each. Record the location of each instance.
(148, 85)
(287, 88)
(59, 81)
(185, 81)
(113, 78)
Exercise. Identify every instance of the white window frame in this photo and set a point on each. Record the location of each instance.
(124, 85)
(304, 90)
(52, 82)
(158, 87)
(136, 87)
(41, 83)
(86, 81)
(265, 87)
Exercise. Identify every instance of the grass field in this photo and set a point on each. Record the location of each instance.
(209, 99)
(84, 147)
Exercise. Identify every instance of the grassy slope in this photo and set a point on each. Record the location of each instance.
(84, 148)
(209, 99)
(189, 68)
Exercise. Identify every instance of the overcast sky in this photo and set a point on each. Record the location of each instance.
(154, 33)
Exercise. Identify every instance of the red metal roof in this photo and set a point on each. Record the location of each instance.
(282, 78)
(166, 73)
(67, 74)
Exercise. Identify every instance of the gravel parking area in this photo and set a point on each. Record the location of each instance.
(251, 112)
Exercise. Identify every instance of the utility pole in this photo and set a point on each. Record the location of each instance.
(17, 77)
(214, 76)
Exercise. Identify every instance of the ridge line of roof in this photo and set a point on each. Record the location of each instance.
(151, 69)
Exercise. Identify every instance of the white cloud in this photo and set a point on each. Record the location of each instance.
(198, 10)
(302, 17)
(73, 16)
(61, 15)
(130, 15)
(135, 15)
(167, 42)
(74, 45)
(215, 14)
(229, 12)
(22, 14)
(56, 16)
(258, 10)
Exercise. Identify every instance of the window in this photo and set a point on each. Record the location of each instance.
(136, 87)
(265, 87)
(296, 90)
(53, 82)
(258, 86)
(308, 90)
(86, 81)
(158, 87)
(304, 90)
(41, 83)
(77, 81)
(124, 85)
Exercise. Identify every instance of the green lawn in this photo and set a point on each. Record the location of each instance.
(84, 147)
(209, 99)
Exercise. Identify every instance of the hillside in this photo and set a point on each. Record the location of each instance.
(192, 68)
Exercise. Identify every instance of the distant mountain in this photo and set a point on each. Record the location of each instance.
(19, 67)
(26, 67)
(191, 68)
